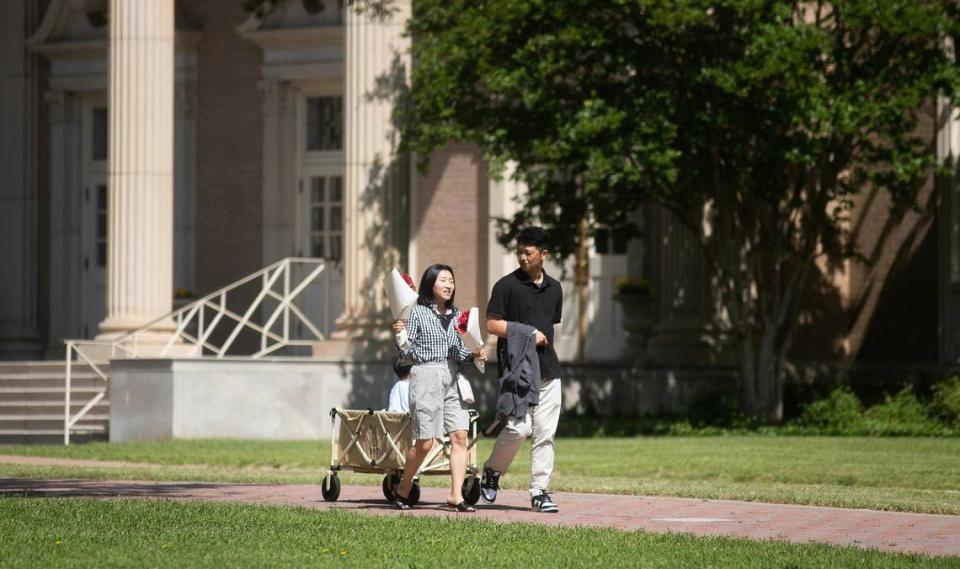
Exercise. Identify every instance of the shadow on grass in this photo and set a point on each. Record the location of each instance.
(20, 488)
(100, 489)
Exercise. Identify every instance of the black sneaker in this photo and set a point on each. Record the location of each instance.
(542, 503)
(489, 485)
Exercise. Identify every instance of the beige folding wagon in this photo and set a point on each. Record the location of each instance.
(376, 442)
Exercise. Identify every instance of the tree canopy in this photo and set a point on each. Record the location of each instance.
(754, 121)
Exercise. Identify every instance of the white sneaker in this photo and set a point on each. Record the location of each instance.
(542, 503)
(489, 485)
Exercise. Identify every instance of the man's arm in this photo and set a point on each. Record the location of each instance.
(497, 326)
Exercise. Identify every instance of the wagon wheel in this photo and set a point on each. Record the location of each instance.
(331, 487)
(390, 481)
(471, 490)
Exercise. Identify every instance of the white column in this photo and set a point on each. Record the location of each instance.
(140, 234)
(376, 177)
(279, 175)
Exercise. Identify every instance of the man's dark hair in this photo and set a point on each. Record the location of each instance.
(532, 235)
(429, 278)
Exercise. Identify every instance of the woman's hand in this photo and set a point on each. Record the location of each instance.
(480, 356)
(399, 326)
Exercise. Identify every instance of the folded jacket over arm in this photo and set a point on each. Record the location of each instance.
(520, 382)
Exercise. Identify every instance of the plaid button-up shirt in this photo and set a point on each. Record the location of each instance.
(428, 341)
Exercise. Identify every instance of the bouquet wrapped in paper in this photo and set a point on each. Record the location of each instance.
(400, 293)
(469, 327)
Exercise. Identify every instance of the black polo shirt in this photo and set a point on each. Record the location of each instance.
(515, 298)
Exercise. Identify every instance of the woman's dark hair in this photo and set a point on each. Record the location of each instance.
(532, 235)
(429, 278)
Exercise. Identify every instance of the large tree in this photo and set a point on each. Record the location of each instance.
(756, 122)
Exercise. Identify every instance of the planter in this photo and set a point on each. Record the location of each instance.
(313, 6)
(637, 321)
(180, 302)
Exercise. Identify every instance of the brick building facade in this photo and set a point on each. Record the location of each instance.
(265, 128)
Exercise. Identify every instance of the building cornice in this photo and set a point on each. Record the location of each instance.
(298, 38)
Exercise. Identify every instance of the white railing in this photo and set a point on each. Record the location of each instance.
(207, 327)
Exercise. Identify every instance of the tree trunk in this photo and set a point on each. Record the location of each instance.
(582, 280)
(762, 364)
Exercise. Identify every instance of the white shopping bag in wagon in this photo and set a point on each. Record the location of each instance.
(469, 328)
(400, 294)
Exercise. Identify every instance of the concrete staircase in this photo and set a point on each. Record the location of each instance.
(32, 400)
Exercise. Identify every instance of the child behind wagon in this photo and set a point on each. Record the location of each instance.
(399, 399)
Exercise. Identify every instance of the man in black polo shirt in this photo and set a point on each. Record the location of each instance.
(530, 296)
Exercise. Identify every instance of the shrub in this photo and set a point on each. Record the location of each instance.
(629, 286)
(841, 413)
(946, 402)
(718, 409)
(902, 414)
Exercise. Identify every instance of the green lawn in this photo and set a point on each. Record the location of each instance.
(50, 532)
(907, 474)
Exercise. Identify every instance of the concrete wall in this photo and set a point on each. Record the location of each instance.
(266, 399)
(291, 398)
(619, 390)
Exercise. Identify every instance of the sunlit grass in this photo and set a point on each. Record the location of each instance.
(908, 474)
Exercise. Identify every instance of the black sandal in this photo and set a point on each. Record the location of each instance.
(400, 502)
(462, 507)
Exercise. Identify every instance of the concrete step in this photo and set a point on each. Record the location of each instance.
(49, 410)
(78, 396)
(52, 421)
(74, 374)
(47, 368)
(49, 390)
(78, 429)
(32, 399)
(29, 438)
(28, 417)
(49, 426)
(84, 381)
(30, 366)
(26, 404)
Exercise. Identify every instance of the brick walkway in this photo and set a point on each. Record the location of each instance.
(885, 531)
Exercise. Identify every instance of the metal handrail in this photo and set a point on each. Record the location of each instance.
(205, 314)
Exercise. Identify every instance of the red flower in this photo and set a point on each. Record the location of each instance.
(462, 322)
(409, 281)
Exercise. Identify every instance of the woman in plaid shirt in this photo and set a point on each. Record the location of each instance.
(435, 346)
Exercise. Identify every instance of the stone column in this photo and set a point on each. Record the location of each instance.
(19, 170)
(377, 177)
(66, 239)
(140, 155)
(948, 222)
(279, 154)
(685, 333)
